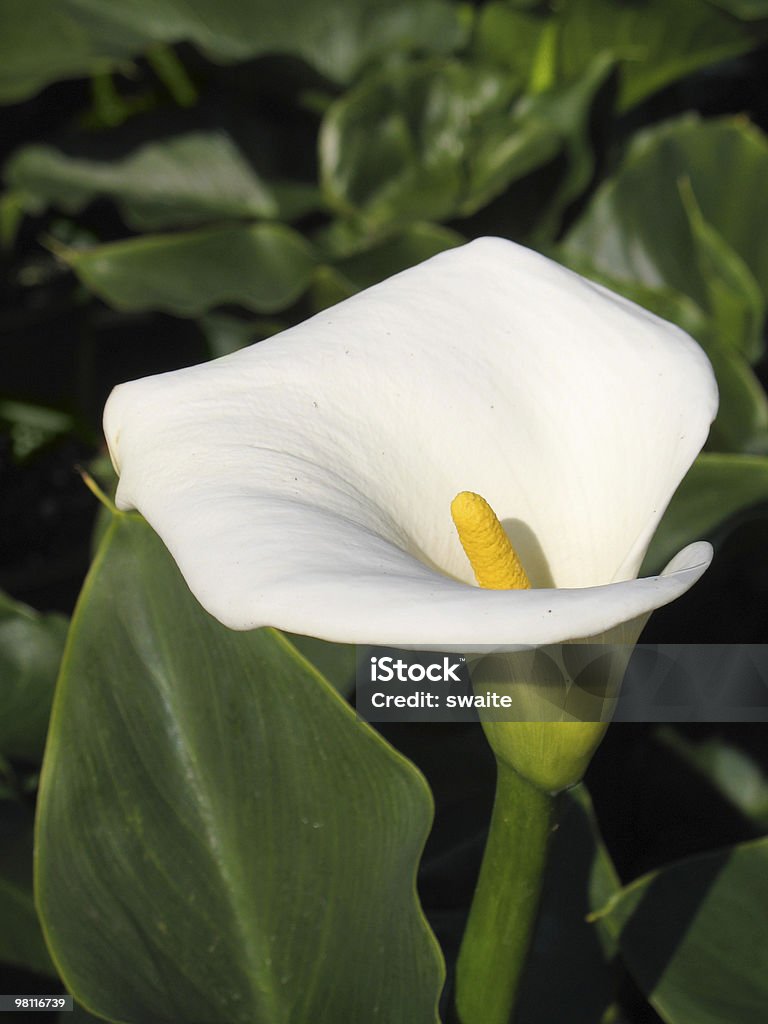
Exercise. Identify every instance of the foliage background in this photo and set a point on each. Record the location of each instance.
(180, 180)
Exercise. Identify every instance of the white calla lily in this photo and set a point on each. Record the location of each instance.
(306, 482)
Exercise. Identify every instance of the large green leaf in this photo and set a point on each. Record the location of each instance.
(220, 838)
(336, 37)
(188, 179)
(44, 40)
(693, 936)
(637, 228)
(31, 646)
(438, 140)
(264, 267)
(21, 941)
(400, 147)
(716, 487)
(656, 41)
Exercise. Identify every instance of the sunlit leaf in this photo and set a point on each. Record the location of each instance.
(188, 179)
(673, 222)
(265, 268)
(400, 146)
(658, 41)
(637, 227)
(655, 41)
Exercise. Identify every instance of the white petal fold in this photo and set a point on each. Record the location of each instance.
(306, 482)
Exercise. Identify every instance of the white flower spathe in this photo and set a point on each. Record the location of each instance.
(306, 482)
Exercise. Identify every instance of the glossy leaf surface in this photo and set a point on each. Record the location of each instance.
(638, 228)
(218, 832)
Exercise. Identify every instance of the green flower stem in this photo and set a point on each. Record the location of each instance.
(503, 913)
